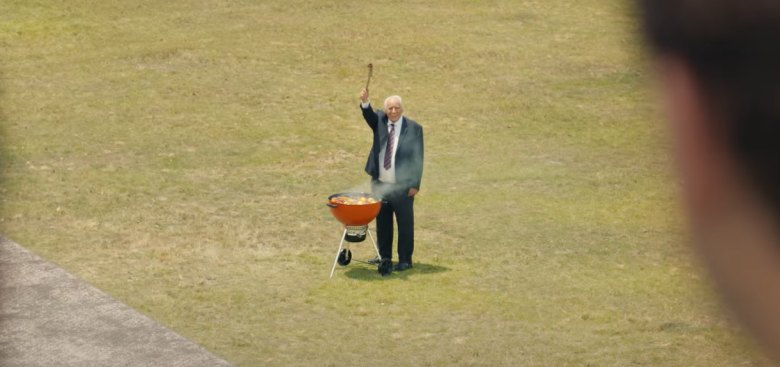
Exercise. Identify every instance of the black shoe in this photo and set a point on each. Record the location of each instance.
(385, 267)
(402, 266)
(375, 261)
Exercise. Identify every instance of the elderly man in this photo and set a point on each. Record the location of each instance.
(718, 63)
(395, 164)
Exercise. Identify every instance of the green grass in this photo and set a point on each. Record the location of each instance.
(178, 156)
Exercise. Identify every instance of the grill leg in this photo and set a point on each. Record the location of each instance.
(341, 246)
(374, 241)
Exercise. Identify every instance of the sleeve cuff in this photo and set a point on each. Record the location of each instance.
(365, 105)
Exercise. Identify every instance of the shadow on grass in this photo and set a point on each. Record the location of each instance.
(368, 272)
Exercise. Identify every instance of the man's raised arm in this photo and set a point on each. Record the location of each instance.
(368, 113)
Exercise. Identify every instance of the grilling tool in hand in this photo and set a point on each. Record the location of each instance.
(370, 72)
(364, 92)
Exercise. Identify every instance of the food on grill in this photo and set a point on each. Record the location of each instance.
(351, 200)
(354, 208)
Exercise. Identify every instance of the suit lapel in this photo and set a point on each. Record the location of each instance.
(383, 131)
(404, 127)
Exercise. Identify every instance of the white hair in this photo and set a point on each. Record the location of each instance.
(400, 102)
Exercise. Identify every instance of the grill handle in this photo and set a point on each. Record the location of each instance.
(332, 205)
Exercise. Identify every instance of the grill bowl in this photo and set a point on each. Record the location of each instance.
(354, 214)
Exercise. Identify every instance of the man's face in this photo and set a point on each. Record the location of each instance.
(393, 109)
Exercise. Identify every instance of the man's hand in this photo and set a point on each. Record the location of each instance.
(364, 95)
(412, 192)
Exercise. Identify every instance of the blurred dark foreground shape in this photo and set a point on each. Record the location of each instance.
(718, 66)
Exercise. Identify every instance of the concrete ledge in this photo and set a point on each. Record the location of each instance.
(48, 317)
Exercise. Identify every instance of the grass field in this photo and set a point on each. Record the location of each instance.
(178, 156)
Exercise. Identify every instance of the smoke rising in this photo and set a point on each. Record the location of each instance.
(378, 191)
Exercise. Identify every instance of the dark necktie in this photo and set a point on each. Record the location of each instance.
(389, 148)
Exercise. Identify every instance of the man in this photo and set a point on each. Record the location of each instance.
(395, 165)
(718, 63)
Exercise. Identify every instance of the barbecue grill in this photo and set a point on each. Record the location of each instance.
(355, 211)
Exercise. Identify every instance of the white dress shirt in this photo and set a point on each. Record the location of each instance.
(388, 175)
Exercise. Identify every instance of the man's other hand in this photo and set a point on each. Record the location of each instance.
(364, 95)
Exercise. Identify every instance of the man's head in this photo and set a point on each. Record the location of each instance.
(394, 108)
(719, 70)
